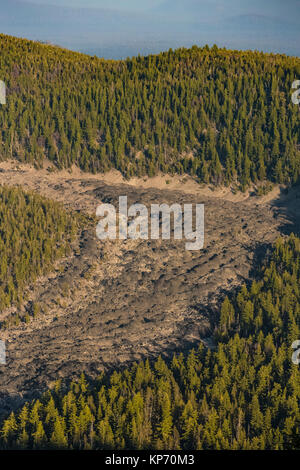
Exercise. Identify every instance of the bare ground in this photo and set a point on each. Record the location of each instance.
(111, 303)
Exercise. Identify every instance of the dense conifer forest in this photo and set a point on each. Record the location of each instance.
(34, 233)
(242, 394)
(223, 116)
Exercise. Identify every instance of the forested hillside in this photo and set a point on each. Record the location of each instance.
(34, 233)
(221, 115)
(244, 394)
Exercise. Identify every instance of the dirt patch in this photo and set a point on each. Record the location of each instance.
(71, 182)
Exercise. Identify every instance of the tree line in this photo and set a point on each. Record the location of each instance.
(222, 116)
(244, 393)
(34, 233)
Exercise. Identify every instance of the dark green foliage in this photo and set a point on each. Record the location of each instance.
(243, 395)
(34, 232)
(220, 115)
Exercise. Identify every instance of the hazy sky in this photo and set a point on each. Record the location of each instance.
(283, 8)
(126, 5)
(121, 28)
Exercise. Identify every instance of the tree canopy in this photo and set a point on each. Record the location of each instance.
(223, 116)
(242, 394)
(34, 233)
